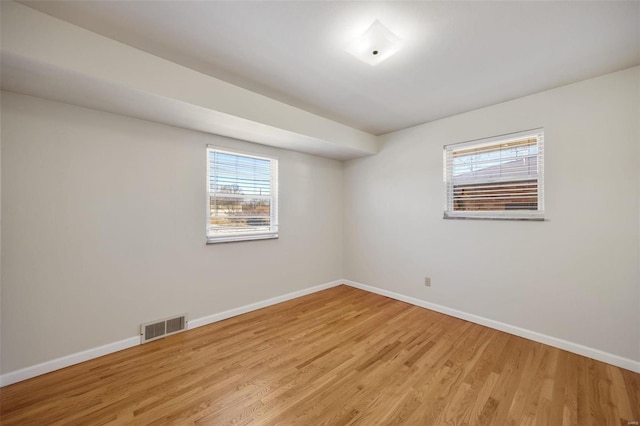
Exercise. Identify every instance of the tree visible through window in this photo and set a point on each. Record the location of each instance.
(497, 178)
(242, 195)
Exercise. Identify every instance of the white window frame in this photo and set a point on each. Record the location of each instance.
(248, 235)
(448, 150)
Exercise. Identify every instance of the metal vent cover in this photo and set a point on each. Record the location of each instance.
(175, 324)
(152, 331)
(161, 328)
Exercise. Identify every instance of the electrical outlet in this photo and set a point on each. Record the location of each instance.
(427, 281)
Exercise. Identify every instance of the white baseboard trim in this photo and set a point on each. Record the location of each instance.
(259, 305)
(66, 361)
(576, 348)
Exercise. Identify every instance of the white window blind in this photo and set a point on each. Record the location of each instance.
(242, 196)
(496, 178)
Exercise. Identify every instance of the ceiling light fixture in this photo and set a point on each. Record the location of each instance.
(375, 45)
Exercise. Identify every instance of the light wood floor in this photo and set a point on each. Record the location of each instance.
(340, 356)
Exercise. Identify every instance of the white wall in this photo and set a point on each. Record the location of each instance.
(575, 276)
(103, 224)
(104, 221)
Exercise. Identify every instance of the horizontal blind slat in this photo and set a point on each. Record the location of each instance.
(495, 176)
(242, 194)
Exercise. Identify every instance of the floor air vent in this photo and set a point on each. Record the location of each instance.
(161, 328)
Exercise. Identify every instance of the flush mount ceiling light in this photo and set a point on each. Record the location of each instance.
(375, 45)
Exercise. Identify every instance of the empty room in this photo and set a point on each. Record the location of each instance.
(320, 212)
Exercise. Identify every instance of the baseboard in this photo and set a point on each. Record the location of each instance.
(576, 348)
(66, 361)
(259, 305)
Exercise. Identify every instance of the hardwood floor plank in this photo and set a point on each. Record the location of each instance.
(337, 357)
(632, 383)
(557, 398)
(570, 408)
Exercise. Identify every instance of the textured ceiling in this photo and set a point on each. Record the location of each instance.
(458, 56)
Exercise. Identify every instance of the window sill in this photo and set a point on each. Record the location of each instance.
(238, 238)
(526, 219)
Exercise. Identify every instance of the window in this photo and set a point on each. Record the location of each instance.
(495, 178)
(242, 196)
